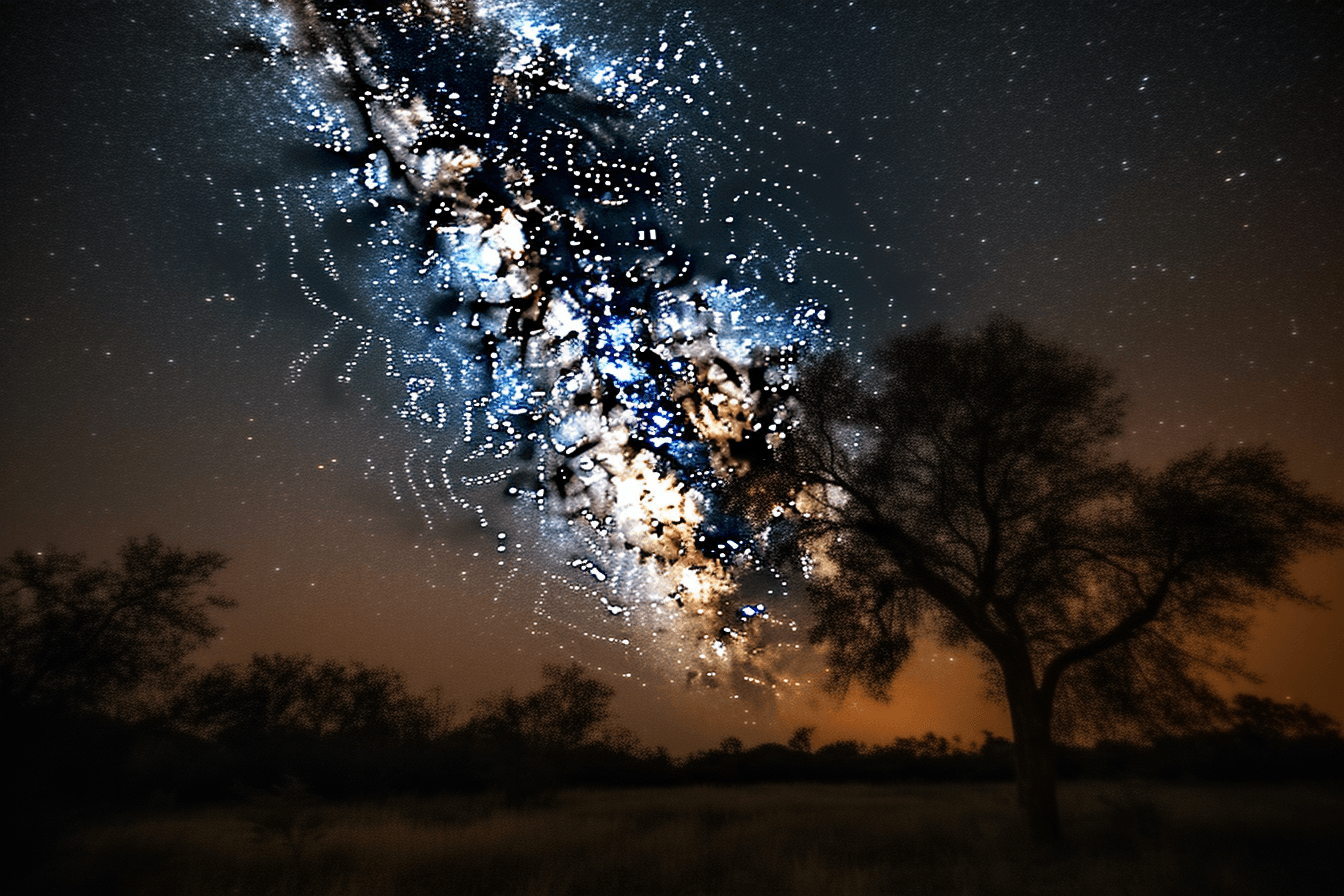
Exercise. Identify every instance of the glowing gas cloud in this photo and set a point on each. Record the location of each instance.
(555, 252)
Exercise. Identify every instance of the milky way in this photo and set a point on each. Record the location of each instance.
(557, 248)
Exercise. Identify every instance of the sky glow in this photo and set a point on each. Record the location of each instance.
(509, 234)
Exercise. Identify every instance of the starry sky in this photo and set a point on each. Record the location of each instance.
(1156, 185)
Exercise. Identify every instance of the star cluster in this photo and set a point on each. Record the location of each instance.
(505, 223)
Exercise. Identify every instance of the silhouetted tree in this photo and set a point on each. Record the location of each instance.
(295, 694)
(569, 710)
(1268, 718)
(965, 490)
(79, 637)
(730, 745)
(801, 739)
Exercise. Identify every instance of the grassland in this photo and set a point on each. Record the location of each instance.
(1139, 838)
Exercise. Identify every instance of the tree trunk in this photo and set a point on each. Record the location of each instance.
(1033, 751)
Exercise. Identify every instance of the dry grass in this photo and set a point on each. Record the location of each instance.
(783, 839)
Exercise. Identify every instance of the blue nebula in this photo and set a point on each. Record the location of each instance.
(503, 215)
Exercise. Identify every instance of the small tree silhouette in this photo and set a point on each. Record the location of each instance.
(1270, 719)
(287, 814)
(569, 710)
(80, 637)
(801, 739)
(295, 694)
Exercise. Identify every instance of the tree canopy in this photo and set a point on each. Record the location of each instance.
(75, 636)
(570, 709)
(965, 489)
(295, 694)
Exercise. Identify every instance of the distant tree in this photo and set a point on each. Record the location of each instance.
(730, 745)
(79, 637)
(569, 710)
(295, 694)
(801, 739)
(964, 490)
(1271, 719)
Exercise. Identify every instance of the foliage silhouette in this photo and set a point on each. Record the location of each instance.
(801, 739)
(287, 814)
(1263, 717)
(965, 491)
(76, 637)
(568, 711)
(295, 694)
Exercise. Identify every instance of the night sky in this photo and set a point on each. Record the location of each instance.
(1158, 185)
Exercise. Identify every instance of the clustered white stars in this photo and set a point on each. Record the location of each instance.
(504, 238)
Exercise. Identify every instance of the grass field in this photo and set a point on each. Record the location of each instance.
(1136, 838)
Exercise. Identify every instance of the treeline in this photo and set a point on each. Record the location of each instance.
(99, 706)
(339, 729)
(347, 730)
